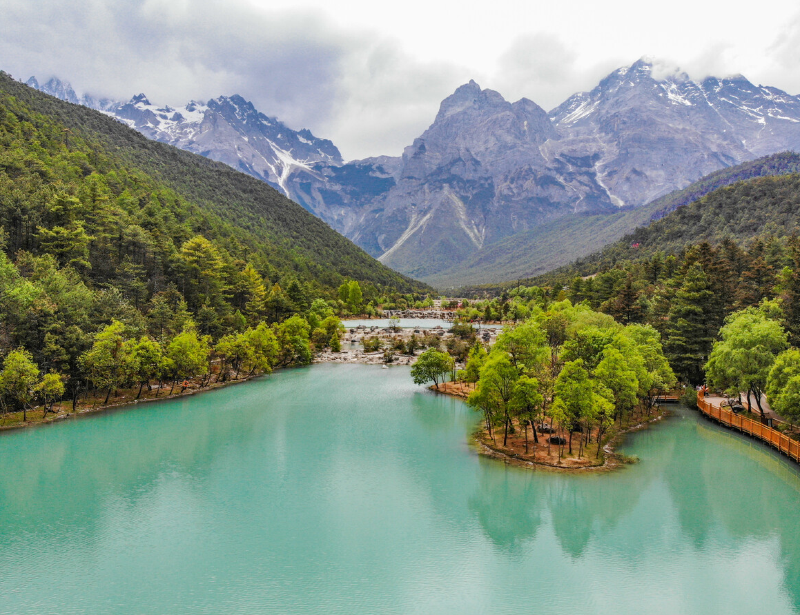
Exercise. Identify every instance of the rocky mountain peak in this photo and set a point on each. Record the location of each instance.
(140, 99)
(466, 97)
(55, 87)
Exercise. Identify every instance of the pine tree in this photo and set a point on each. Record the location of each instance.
(690, 332)
(625, 307)
(758, 279)
(790, 292)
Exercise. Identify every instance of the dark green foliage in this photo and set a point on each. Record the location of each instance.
(691, 327)
(100, 225)
(738, 213)
(143, 199)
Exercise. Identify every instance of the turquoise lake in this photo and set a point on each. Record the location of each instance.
(347, 489)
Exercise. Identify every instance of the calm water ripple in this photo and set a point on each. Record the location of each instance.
(346, 489)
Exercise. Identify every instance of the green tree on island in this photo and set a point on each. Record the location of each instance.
(527, 403)
(432, 366)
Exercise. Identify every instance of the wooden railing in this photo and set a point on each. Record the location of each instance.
(773, 437)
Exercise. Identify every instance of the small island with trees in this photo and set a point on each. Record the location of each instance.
(556, 388)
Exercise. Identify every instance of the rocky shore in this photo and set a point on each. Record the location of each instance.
(353, 340)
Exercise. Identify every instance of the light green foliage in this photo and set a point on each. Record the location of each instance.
(263, 349)
(783, 384)
(498, 378)
(344, 291)
(354, 296)
(614, 372)
(647, 343)
(477, 357)
(743, 358)
(50, 389)
(145, 360)
(574, 388)
(527, 402)
(432, 366)
(319, 311)
(18, 379)
(234, 349)
(293, 336)
(525, 345)
(603, 407)
(587, 344)
(188, 355)
(105, 364)
(251, 294)
(205, 269)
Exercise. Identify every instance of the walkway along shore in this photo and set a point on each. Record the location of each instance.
(728, 418)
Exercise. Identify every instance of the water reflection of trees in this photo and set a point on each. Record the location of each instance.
(752, 492)
(508, 505)
(71, 469)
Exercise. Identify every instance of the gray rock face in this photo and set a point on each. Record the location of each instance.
(488, 169)
(476, 175)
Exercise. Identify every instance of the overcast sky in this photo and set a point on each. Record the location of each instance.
(370, 75)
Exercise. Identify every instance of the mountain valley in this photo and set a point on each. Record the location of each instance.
(491, 180)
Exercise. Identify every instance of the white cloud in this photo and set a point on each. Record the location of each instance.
(542, 67)
(370, 76)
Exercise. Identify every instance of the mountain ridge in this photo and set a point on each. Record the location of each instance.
(488, 169)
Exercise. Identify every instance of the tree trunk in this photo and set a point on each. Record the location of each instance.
(75, 393)
(505, 433)
(141, 386)
(757, 394)
(533, 428)
(174, 382)
(570, 441)
(525, 427)
(108, 395)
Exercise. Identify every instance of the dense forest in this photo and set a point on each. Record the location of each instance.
(687, 297)
(124, 260)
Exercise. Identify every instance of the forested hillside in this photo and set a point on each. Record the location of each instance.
(556, 244)
(125, 260)
(166, 190)
(767, 206)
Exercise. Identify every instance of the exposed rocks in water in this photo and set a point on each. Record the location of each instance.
(389, 338)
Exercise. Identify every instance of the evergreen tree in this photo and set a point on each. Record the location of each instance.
(690, 331)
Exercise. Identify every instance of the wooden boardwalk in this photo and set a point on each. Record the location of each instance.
(773, 437)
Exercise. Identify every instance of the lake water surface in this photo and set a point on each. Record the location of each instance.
(347, 489)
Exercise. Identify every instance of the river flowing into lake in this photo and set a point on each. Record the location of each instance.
(346, 489)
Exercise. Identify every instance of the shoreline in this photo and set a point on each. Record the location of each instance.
(60, 416)
(611, 459)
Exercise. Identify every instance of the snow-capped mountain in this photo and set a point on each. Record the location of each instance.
(653, 135)
(228, 129)
(476, 175)
(487, 168)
